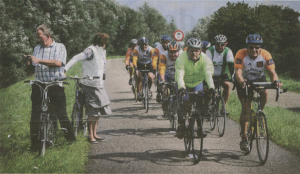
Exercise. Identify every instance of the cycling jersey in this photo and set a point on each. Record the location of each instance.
(253, 69)
(219, 58)
(189, 73)
(142, 57)
(129, 56)
(156, 54)
(167, 65)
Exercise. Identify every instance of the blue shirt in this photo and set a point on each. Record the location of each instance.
(56, 51)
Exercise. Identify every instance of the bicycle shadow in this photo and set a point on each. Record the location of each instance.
(295, 109)
(149, 133)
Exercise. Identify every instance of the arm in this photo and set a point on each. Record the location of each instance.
(162, 66)
(52, 63)
(87, 54)
(127, 58)
(208, 68)
(179, 73)
(155, 58)
(135, 58)
(230, 62)
(239, 76)
(274, 77)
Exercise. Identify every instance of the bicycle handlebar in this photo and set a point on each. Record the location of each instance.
(87, 77)
(56, 82)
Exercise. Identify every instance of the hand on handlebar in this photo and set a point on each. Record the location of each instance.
(127, 67)
(277, 83)
(244, 83)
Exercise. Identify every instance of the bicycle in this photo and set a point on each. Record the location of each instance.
(257, 128)
(172, 104)
(193, 127)
(78, 122)
(134, 88)
(218, 110)
(47, 126)
(145, 89)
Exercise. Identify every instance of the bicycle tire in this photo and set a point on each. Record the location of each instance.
(174, 118)
(221, 118)
(214, 117)
(262, 138)
(197, 140)
(250, 137)
(42, 136)
(187, 137)
(146, 97)
(75, 118)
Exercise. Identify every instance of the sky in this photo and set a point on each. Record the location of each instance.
(187, 12)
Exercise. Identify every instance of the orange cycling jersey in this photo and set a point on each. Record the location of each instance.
(128, 56)
(253, 69)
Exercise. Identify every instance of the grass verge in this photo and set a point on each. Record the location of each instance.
(15, 156)
(283, 125)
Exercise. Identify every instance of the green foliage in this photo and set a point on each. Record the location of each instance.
(73, 23)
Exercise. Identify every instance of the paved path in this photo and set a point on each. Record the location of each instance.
(138, 142)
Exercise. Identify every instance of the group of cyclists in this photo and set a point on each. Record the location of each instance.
(195, 68)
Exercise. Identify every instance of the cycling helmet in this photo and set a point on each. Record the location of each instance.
(133, 42)
(221, 38)
(166, 37)
(194, 43)
(143, 40)
(173, 46)
(254, 39)
(156, 44)
(206, 44)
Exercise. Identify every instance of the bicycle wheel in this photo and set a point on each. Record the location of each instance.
(85, 125)
(42, 135)
(250, 137)
(213, 119)
(221, 117)
(174, 118)
(197, 140)
(187, 136)
(262, 138)
(75, 118)
(146, 97)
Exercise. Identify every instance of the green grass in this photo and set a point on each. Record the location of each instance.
(287, 83)
(15, 156)
(283, 125)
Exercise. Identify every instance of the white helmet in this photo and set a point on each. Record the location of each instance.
(194, 43)
(221, 38)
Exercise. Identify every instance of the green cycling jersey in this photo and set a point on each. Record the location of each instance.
(189, 73)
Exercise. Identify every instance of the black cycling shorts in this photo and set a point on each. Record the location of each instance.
(145, 67)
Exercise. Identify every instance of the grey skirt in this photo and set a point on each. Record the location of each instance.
(96, 100)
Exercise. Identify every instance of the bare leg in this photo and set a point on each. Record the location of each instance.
(264, 98)
(91, 127)
(95, 130)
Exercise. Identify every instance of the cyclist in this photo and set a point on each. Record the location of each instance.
(192, 67)
(250, 64)
(95, 96)
(156, 44)
(167, 68)
(142, 59)
(49, 58)
(206, 45)
(204, 48)
(159, 49)
(128, 60)
(222, 58)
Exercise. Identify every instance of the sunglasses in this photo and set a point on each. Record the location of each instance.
(194, 51)
(220, 44)
(251, 47)
(144, 44)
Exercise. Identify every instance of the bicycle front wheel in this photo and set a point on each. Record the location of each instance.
(146, 97)
(42, 137)
(197, 140)
(221, 117)
(213, 119)
(75, 118)
(174, 118)
(187, 136)
(262, 138)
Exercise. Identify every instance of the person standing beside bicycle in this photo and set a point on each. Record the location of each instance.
(222, 58)
(49, 58)
(95, 96)
(142, 60)
(128, 59)
(158, 50)
(167, 69)
(249, 64)
(191, 68)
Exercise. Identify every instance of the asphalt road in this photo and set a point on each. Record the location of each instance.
(139, 142)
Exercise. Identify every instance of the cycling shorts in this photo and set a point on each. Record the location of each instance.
(199, 87)
(145, 67)
(242, 92)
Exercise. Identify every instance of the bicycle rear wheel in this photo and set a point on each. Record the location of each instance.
(262, 138)
(75, 118)
(221, 117)
(197, 140)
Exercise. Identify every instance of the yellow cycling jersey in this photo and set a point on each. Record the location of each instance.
(156, 54)
(128, 56)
